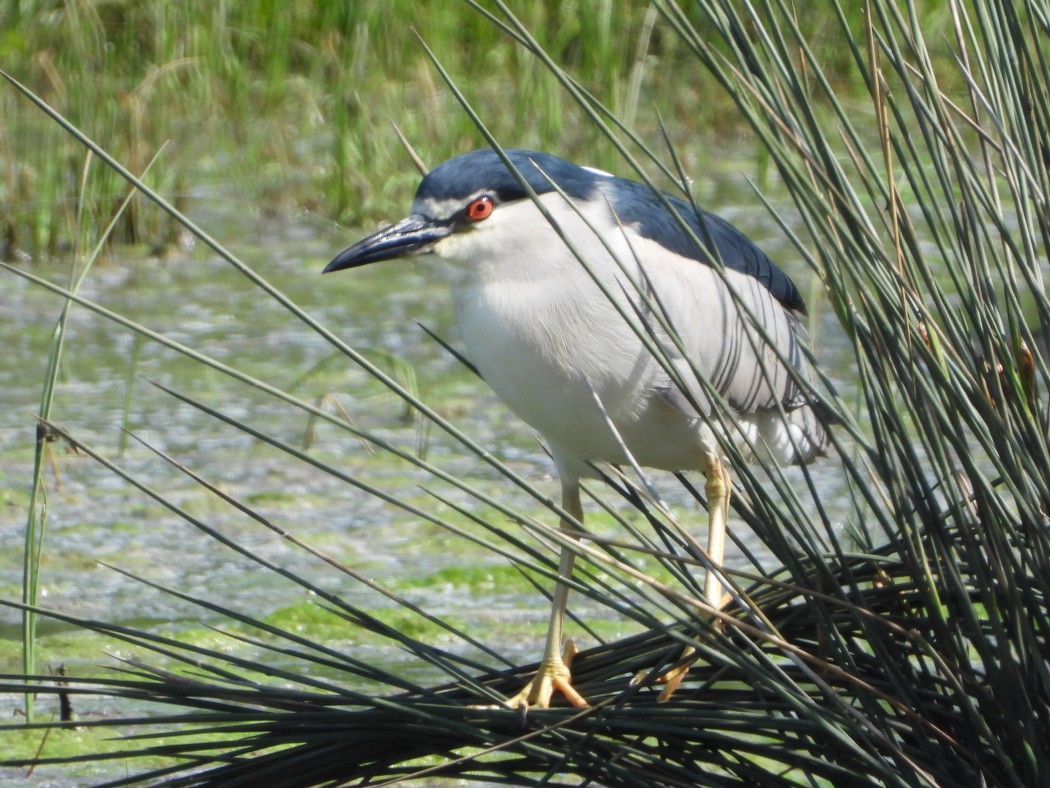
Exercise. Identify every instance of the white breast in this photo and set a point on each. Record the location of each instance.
(542, 334)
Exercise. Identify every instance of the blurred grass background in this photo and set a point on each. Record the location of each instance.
(287, 106)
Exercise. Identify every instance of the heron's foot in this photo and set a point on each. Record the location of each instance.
(669, 678)
(554, 675)
(673, 677)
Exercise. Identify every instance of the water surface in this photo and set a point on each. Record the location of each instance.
(94, 518)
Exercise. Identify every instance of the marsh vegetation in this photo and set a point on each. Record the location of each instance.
(322, 486)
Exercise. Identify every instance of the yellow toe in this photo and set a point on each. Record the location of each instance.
(554, 675)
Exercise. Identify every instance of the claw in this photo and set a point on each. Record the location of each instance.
(553, 676)
(673, 677)
(670, 678)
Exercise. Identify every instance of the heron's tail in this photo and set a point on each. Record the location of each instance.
(800, 438)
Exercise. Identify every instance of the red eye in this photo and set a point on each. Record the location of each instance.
(479, 208)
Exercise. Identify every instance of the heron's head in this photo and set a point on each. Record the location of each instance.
(463, 203)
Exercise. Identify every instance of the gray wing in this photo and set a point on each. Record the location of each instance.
(752, 372)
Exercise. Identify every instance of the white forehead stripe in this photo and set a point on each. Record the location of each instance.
(445, 209)
(596, 171)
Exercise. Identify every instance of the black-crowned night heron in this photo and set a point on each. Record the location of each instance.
(556, 332)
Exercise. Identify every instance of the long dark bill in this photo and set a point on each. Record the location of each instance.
(413, 235)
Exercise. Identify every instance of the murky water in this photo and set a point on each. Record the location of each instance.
(94, 517)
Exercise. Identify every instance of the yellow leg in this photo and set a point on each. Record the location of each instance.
(554, 672)
(719, 488)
